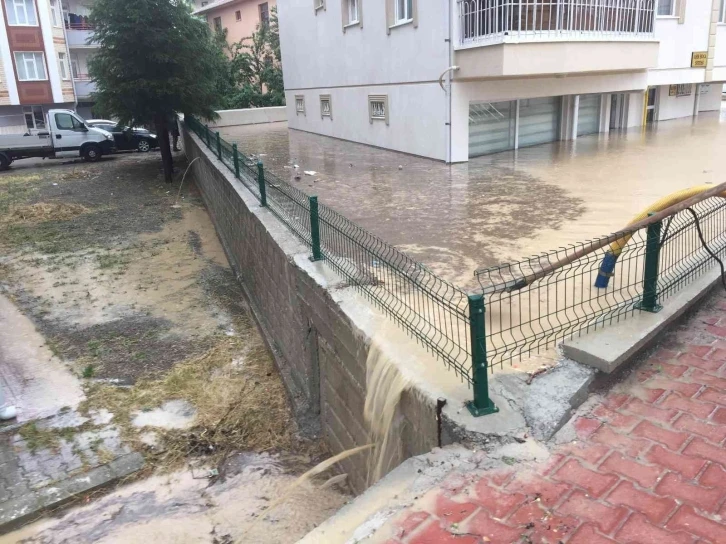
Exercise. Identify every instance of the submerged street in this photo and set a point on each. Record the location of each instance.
(499, 207)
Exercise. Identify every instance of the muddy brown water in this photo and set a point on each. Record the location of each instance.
(501, 207)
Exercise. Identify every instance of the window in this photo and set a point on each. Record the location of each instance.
(326, 109)
(204, 3)
(34, 118)
(404, 11)
(66, 121)
(218, 24)
(722, 12)
(378, 107)
(666, 8)
(74, 66)
(238, 15)
(264, 14)
(63, 65)
(21, 12)
(300, 104)
(350, 12)
(319, 4)
(684, 89)
(30, 66)
(54, 13)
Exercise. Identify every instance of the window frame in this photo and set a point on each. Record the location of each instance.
(326, 98)
(319, 5)
(298, 110)
(77, 126)
(407, 6)
(35, 63)
(722, 12)
(372, 98)
(24, 3)
(63, 65)
(238, 15)
(666, 15)
(32, 113)
(266, 20)
(214, 24)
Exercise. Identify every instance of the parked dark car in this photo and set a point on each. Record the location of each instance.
(127, 138)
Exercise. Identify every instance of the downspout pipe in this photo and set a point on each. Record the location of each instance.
(449, 80)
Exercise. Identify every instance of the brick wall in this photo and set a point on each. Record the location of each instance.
(318, 342)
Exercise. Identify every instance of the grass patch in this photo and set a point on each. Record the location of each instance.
(111, 260)
(44, 211)
(41, 439)
(88, 371)
(239, 407)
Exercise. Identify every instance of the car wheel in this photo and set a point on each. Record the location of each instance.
(4, 162)
(144, 146)
(92, 153)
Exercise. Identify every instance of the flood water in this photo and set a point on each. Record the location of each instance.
(500, 207)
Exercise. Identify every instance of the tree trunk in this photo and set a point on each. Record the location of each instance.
(162, 133)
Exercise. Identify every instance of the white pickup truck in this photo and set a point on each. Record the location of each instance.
(67, 136)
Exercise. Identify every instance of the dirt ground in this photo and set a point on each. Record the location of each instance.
(129, 285)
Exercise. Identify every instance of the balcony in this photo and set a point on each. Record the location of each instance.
(78, 33)
(532, 37)
(84, 86)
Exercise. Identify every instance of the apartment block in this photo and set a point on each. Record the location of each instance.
(79, 31)
(34, 64)
(238, 17)
(456, 79)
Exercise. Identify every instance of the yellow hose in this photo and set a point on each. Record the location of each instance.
(674, 198)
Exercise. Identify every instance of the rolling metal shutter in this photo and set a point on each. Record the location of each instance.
(588, 115)
(538, 120)
(491, 127)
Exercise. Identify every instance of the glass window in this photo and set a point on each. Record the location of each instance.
(352, 11)
(63, 65)
(264, 13)
(218, 24)
(404, 10)
(30, 66)
(34, 118)
(666, 7)
(238, 15)
(65, 121)
(74, 66)
(54, 13)
(21, 12)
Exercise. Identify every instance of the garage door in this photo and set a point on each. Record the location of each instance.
(491, 127)
(588, 116)
(538, 120)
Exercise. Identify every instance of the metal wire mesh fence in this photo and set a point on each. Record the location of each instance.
(431, 310)
(535, 303)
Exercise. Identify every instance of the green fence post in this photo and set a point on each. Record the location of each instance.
(482, 404)
(261, 182)
(315, 228)
(235, 154)
(219, 147)
(207, 132)
(650, 270)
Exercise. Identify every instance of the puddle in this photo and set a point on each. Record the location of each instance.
(500, 207)
(181, 509)
(174, 414)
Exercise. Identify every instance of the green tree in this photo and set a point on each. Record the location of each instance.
(256, 68)
(155, 61)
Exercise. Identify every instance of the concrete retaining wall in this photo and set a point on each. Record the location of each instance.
(250, 116)
(318, 330)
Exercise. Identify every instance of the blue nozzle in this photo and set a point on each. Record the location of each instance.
(606, 270)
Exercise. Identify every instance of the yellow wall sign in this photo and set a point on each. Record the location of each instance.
(698, 59)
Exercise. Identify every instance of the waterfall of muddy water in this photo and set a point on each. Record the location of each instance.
(385, 384)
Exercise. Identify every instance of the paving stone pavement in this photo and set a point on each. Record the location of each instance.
(648, 466)
(34, 478)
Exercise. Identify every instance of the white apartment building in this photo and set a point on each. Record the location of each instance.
(78, 32)
(34, 64)
(455, 79)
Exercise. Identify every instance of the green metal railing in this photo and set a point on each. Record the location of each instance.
(441, 317)
(536, 303)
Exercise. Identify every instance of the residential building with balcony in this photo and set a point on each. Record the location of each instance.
(238, 17)
(81, 48)
(456, 79)
(34, 69)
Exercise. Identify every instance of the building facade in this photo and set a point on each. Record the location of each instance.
(456, 79)
(238, 17)
(81, 48)
(34, 64)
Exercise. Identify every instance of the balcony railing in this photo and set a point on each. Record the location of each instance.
(495, 21)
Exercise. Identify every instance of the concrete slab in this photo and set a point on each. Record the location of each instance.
(614, 345)
(553, 396)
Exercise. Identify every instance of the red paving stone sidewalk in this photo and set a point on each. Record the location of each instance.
(649, 466)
